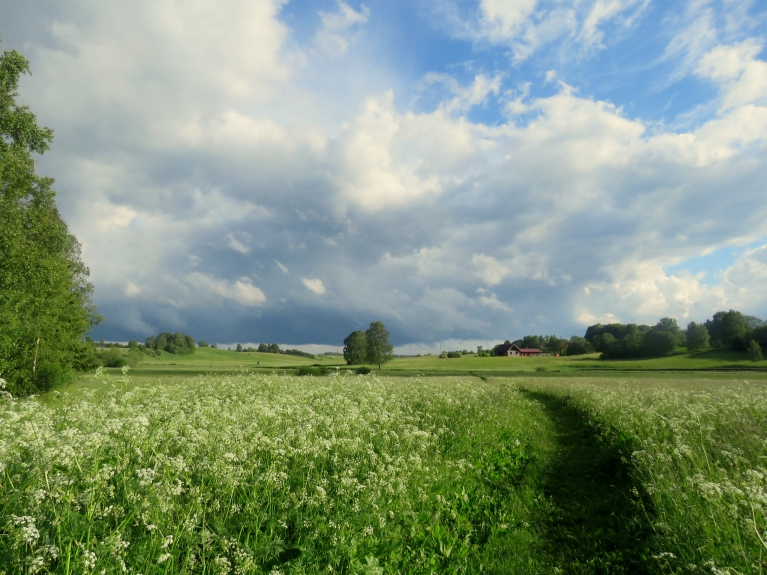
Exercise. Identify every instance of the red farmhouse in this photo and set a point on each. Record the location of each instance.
(513, 350)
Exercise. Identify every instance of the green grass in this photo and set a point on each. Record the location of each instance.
(711, 359)
(265, 473)
(207, 360)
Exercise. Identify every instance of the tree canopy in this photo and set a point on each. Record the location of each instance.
(697, 336)
(45, 298)
(372, 346)
(356, 348)
(379, 348)
(177, 343)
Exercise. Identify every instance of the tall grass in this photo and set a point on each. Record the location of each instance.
(268, 474)
(701, 454)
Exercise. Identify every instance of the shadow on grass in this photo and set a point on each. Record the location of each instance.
(596, 521)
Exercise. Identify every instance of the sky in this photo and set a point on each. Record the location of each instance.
(466, 171)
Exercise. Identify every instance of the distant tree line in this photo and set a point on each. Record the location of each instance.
(726, 329)
(175, 343)
(274, 348)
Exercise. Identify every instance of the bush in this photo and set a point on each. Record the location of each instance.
(453, 354)
(364, 370)
(754, 351)
(49, 376)
(738, 343)
(311, 370)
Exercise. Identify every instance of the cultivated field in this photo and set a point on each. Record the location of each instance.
(266, 473)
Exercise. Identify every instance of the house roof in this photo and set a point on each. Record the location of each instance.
(504, 347)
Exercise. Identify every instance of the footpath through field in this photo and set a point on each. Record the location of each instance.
(592, 517)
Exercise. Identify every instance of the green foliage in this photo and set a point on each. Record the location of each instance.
(176, 343)
(725, 325)
(299, 353)
(113, 358)
(202, 343)
(618, 341)
(379, 350)
(602, 341)
(617, 330)
(697, 336)
(362, 370)
(263, 348)
(255, 474)
(239, 347)
(658, 343)
(45, 298)
(50, 375)
(356, 348)
(273, 348)
(312, 370)
(754, 351)
(579, 346)
(698, 448)
(453, 354)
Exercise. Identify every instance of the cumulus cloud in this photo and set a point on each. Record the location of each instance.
(241, 291)
(314, 285)
(200, 165)
(337, 32)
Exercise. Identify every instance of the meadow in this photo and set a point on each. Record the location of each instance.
(269, 473)
(208, 360)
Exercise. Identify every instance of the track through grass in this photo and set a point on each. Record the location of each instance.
(596, 520)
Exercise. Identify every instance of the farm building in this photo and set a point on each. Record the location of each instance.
(513, 350)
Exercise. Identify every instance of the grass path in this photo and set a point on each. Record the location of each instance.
(593, 520)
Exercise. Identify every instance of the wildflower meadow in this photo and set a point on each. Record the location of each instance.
(264, 473)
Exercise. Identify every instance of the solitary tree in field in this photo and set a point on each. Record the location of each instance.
(379, 348)
(356, 348)
(45, 298)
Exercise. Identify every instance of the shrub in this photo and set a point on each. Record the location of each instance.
(364, 370)
(738, 343)
(453, 354)
(312, 370)
(754, 351)
(50, 375)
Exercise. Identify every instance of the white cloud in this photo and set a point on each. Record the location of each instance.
(314, 285)
(528, 25)
(606, 10)
(489, 268)
(241, 291)
(491, 300)
(284, 269)
(132, 290)
(741, 77)
(337, 31)
(237, 246)
(180, 125)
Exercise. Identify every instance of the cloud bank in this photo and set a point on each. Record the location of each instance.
(225, 183)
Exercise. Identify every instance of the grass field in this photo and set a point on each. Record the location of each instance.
(207, 360)
(266, 473)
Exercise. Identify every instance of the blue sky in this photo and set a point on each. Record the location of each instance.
(465, 171)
